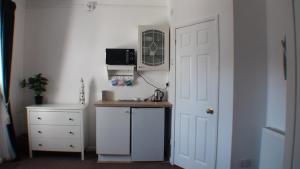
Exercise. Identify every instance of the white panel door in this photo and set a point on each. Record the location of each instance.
(279, 29)
(113, 130)
(197, 71)
(296, 161)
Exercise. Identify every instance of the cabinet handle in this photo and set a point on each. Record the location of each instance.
(40, 132)
(71, 133)
(71, 146)
(71, 119)
(40, 145)
(39, 118)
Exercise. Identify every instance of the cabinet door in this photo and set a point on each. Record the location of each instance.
(148, 134)
(153, 53)
(113, 130)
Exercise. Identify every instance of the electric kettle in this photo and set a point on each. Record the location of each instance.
(158, 95)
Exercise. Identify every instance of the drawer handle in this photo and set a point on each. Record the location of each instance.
(71, 146)
(40, 145)
(71, 119)
(72, 133)
(40, 132)
(39, 118)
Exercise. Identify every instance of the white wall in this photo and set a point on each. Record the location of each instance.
(66, 42)
(250, 80)
(191, 11)
(16, 93)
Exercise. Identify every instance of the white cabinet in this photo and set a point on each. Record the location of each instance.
(147, 140)
(153, 52)
(130, 134)
(57, 127)
(113, 130)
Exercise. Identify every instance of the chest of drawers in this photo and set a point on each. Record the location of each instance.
(57, 127)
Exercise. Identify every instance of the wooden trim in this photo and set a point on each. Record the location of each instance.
(292, 91)
(198, 21)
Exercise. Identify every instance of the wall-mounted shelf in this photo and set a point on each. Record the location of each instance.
(120, 70)
(121, 75)
(120, 67)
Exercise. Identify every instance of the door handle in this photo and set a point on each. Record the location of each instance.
(284, 48)
(210, 110)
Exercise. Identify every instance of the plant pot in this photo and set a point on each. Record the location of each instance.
(38, 99)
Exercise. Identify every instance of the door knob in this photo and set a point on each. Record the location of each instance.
(210, 110)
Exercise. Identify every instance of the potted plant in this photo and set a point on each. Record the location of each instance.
(37, 83)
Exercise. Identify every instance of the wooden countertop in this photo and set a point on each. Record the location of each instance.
(147, 104)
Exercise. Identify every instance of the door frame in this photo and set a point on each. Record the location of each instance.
(212, 18)
(293, 106)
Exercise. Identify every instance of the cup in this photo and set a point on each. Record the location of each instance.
(107, 95)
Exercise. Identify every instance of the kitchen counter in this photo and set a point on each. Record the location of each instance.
(141, 104)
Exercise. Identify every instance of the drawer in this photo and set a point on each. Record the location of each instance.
(46, 131)
(69, 145)
(55, 118)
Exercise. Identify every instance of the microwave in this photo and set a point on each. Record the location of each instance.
(120, 57)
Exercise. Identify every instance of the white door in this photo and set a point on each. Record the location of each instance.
(281, 73)
(279, 31)
(197, 74)
(296, 161)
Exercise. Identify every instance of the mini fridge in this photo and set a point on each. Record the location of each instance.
(148, 132)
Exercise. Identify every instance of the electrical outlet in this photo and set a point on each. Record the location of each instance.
(246, 163)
